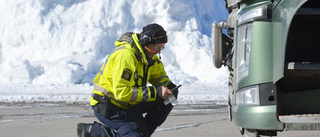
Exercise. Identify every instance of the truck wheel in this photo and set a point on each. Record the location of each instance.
(257, 133)
(251, 133)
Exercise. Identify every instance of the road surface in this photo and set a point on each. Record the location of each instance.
(61, 119)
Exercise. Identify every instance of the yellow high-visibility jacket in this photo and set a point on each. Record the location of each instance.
(125, 74)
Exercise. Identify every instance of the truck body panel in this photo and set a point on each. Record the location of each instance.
(272, 53)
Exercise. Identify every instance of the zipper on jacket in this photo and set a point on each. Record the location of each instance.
(145, 75)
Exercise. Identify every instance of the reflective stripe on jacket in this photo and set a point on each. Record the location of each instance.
(123, 77)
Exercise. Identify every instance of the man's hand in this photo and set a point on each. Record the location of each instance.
(176, 91)
(164, 92)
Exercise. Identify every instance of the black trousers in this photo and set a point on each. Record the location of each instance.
(140, 120)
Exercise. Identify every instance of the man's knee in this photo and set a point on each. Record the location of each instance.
(130, 129)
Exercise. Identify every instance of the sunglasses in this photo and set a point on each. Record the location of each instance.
(158, 48)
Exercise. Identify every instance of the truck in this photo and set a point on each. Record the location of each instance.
(271, 49)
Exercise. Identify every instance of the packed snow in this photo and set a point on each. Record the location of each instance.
(50, 50)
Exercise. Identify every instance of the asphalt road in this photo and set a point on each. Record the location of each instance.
(60, 120)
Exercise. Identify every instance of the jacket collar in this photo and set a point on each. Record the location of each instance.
(140, 48)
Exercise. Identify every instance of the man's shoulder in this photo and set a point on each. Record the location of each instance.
(124, 53)
(125, 50)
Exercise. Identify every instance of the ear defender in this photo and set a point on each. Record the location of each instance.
(147, 37)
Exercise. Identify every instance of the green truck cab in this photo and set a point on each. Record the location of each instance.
(272, 52)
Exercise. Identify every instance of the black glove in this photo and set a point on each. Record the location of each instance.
(176, 91)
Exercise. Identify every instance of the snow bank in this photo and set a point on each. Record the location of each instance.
(50, 50)
(64, 41)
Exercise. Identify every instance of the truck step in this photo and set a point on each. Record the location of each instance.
(304, 118)
(302, 66)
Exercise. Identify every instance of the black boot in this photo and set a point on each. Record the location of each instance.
(84, 129)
